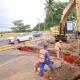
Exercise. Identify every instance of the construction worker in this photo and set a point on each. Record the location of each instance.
(57, 48)
(44, 59)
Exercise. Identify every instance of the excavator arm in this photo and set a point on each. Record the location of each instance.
(78, 15)
(66, 13)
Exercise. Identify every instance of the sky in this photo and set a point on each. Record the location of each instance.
(31, 11)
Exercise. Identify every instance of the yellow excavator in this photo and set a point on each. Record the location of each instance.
(72, 3)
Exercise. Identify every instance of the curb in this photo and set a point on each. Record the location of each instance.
(5, 47)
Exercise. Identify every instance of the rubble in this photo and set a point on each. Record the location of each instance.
(66, 72)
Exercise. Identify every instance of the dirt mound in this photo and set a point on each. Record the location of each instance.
(66, 72)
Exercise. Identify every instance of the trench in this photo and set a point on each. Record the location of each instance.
(68, 58)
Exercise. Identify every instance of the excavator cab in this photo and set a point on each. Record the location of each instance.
(62, 35)
(56, 32)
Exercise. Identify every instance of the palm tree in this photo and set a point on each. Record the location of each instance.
(50, 9)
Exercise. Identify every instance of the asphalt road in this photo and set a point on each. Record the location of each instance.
(16, 65)
(8, 55)
(3, 42)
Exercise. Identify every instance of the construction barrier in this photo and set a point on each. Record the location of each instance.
(5, 47)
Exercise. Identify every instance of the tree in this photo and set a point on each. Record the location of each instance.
(57, 10)
(59, 7)
(19, 26)
(48, 22)
(50, 10)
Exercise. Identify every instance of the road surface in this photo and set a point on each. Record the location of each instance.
(3, 42)
(16, 65)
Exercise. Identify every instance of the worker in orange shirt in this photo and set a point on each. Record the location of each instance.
(44, 59)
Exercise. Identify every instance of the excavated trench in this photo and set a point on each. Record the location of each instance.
(70, 58)
(69, 71)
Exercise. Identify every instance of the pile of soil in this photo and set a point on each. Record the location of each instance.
(72, 46)
(66, 72)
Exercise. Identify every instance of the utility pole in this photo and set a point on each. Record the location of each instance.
(39, 24)
(44, 20)
(44, 25)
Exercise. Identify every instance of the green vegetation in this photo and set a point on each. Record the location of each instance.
(39, 26)
(19, 26)
(53, 14)
(56, 13)
(50, 9)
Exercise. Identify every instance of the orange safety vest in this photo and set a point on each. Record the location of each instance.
(42, 55)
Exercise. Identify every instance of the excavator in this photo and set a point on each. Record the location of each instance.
(72, 3)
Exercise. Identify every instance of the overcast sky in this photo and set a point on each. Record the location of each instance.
(28, 10)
